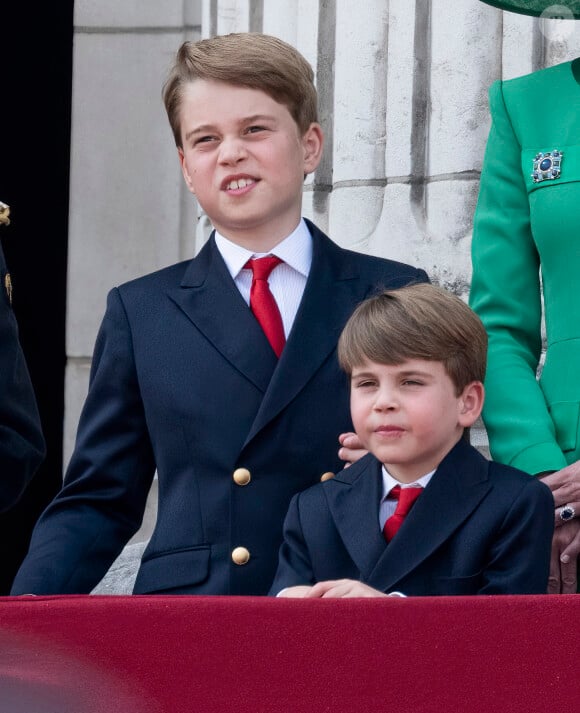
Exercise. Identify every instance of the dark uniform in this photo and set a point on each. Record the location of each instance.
(185, 383)
(21, 440)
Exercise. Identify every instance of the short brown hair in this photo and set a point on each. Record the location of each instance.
(419, 321)
(248, 59)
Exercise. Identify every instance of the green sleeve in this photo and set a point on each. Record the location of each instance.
(505, 293)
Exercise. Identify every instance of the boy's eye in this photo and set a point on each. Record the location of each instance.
(412, 382)
(255, 129)
(203, 140)
(364, 383)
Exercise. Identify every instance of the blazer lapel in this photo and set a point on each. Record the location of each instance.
(211, 300)
(456, 489)
(353, 499)
(332, 289)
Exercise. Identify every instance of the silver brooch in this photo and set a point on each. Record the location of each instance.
(547, 165)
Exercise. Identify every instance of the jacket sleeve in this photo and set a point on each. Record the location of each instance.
(506, 294)
(21, 441)
(294, 565)
(519, 561)
(103, 498)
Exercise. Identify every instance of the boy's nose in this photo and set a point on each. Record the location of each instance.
(232, 151)
(385, 400)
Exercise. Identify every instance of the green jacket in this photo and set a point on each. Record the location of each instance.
(527, 236)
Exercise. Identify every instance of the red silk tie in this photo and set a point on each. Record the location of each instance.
(262, 302)
(406, 498)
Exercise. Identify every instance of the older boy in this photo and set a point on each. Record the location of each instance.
(459, 524)
(235, 400)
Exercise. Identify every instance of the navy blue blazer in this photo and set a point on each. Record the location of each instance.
(21, 440)
(184, 382)
(478, 528)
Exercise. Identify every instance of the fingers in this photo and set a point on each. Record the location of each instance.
(564, 484)
(564, 559)
(343, 454)
(348, 439)
(569, 565)
(352, 449)
(348, 456)
(568, 575)
(343, 588)
(296, 592)
(329, 588)
(554, 575)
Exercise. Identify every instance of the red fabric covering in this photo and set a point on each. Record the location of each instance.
(158, 654)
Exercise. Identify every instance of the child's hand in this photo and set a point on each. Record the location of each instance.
(342, 588)
(351, 448)
(298, 592)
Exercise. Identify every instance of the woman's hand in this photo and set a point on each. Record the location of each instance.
(565, 487)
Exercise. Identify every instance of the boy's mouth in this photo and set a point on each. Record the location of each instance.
(233, 184)
(389, 429)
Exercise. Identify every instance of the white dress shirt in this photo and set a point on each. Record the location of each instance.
(287, 280)
(388, 506)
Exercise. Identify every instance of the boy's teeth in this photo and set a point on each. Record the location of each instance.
(240, 183)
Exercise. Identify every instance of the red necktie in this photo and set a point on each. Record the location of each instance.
(262, 302)
(406, 498)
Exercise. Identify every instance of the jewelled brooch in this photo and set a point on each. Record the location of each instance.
(547, 166)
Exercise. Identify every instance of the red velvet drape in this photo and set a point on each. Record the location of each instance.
(158, 654)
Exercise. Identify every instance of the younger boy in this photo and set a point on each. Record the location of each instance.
(225, 384)
(416, 361)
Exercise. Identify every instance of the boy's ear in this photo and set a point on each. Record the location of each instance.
(312, 144)
(184, 170)
(470, 404)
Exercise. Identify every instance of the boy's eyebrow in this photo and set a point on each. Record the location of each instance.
(404, 373)
(416, 373)
(244, 120)
(364, 374)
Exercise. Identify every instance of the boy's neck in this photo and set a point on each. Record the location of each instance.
(407, 473)
(259, 240)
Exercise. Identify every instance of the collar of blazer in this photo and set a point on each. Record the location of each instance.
(211, 300)
(354, 494)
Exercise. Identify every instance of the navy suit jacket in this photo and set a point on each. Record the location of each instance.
(478, 528)
(184, 382)
(21, 440)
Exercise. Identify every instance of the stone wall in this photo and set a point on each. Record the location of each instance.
(403, 100)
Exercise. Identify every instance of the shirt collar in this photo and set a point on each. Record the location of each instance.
(295, 251)
(389, 482)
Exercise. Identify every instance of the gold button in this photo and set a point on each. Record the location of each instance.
(240, 555)
(326, 476)
(242, 476)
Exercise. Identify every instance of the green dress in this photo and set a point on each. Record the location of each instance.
(525, 250)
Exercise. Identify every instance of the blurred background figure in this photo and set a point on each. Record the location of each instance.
(21, 440)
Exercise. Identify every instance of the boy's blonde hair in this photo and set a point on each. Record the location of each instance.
(416, 322)
(247, 59)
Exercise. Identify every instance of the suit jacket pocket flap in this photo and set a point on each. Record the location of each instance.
(172, 570)
(565, 418)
